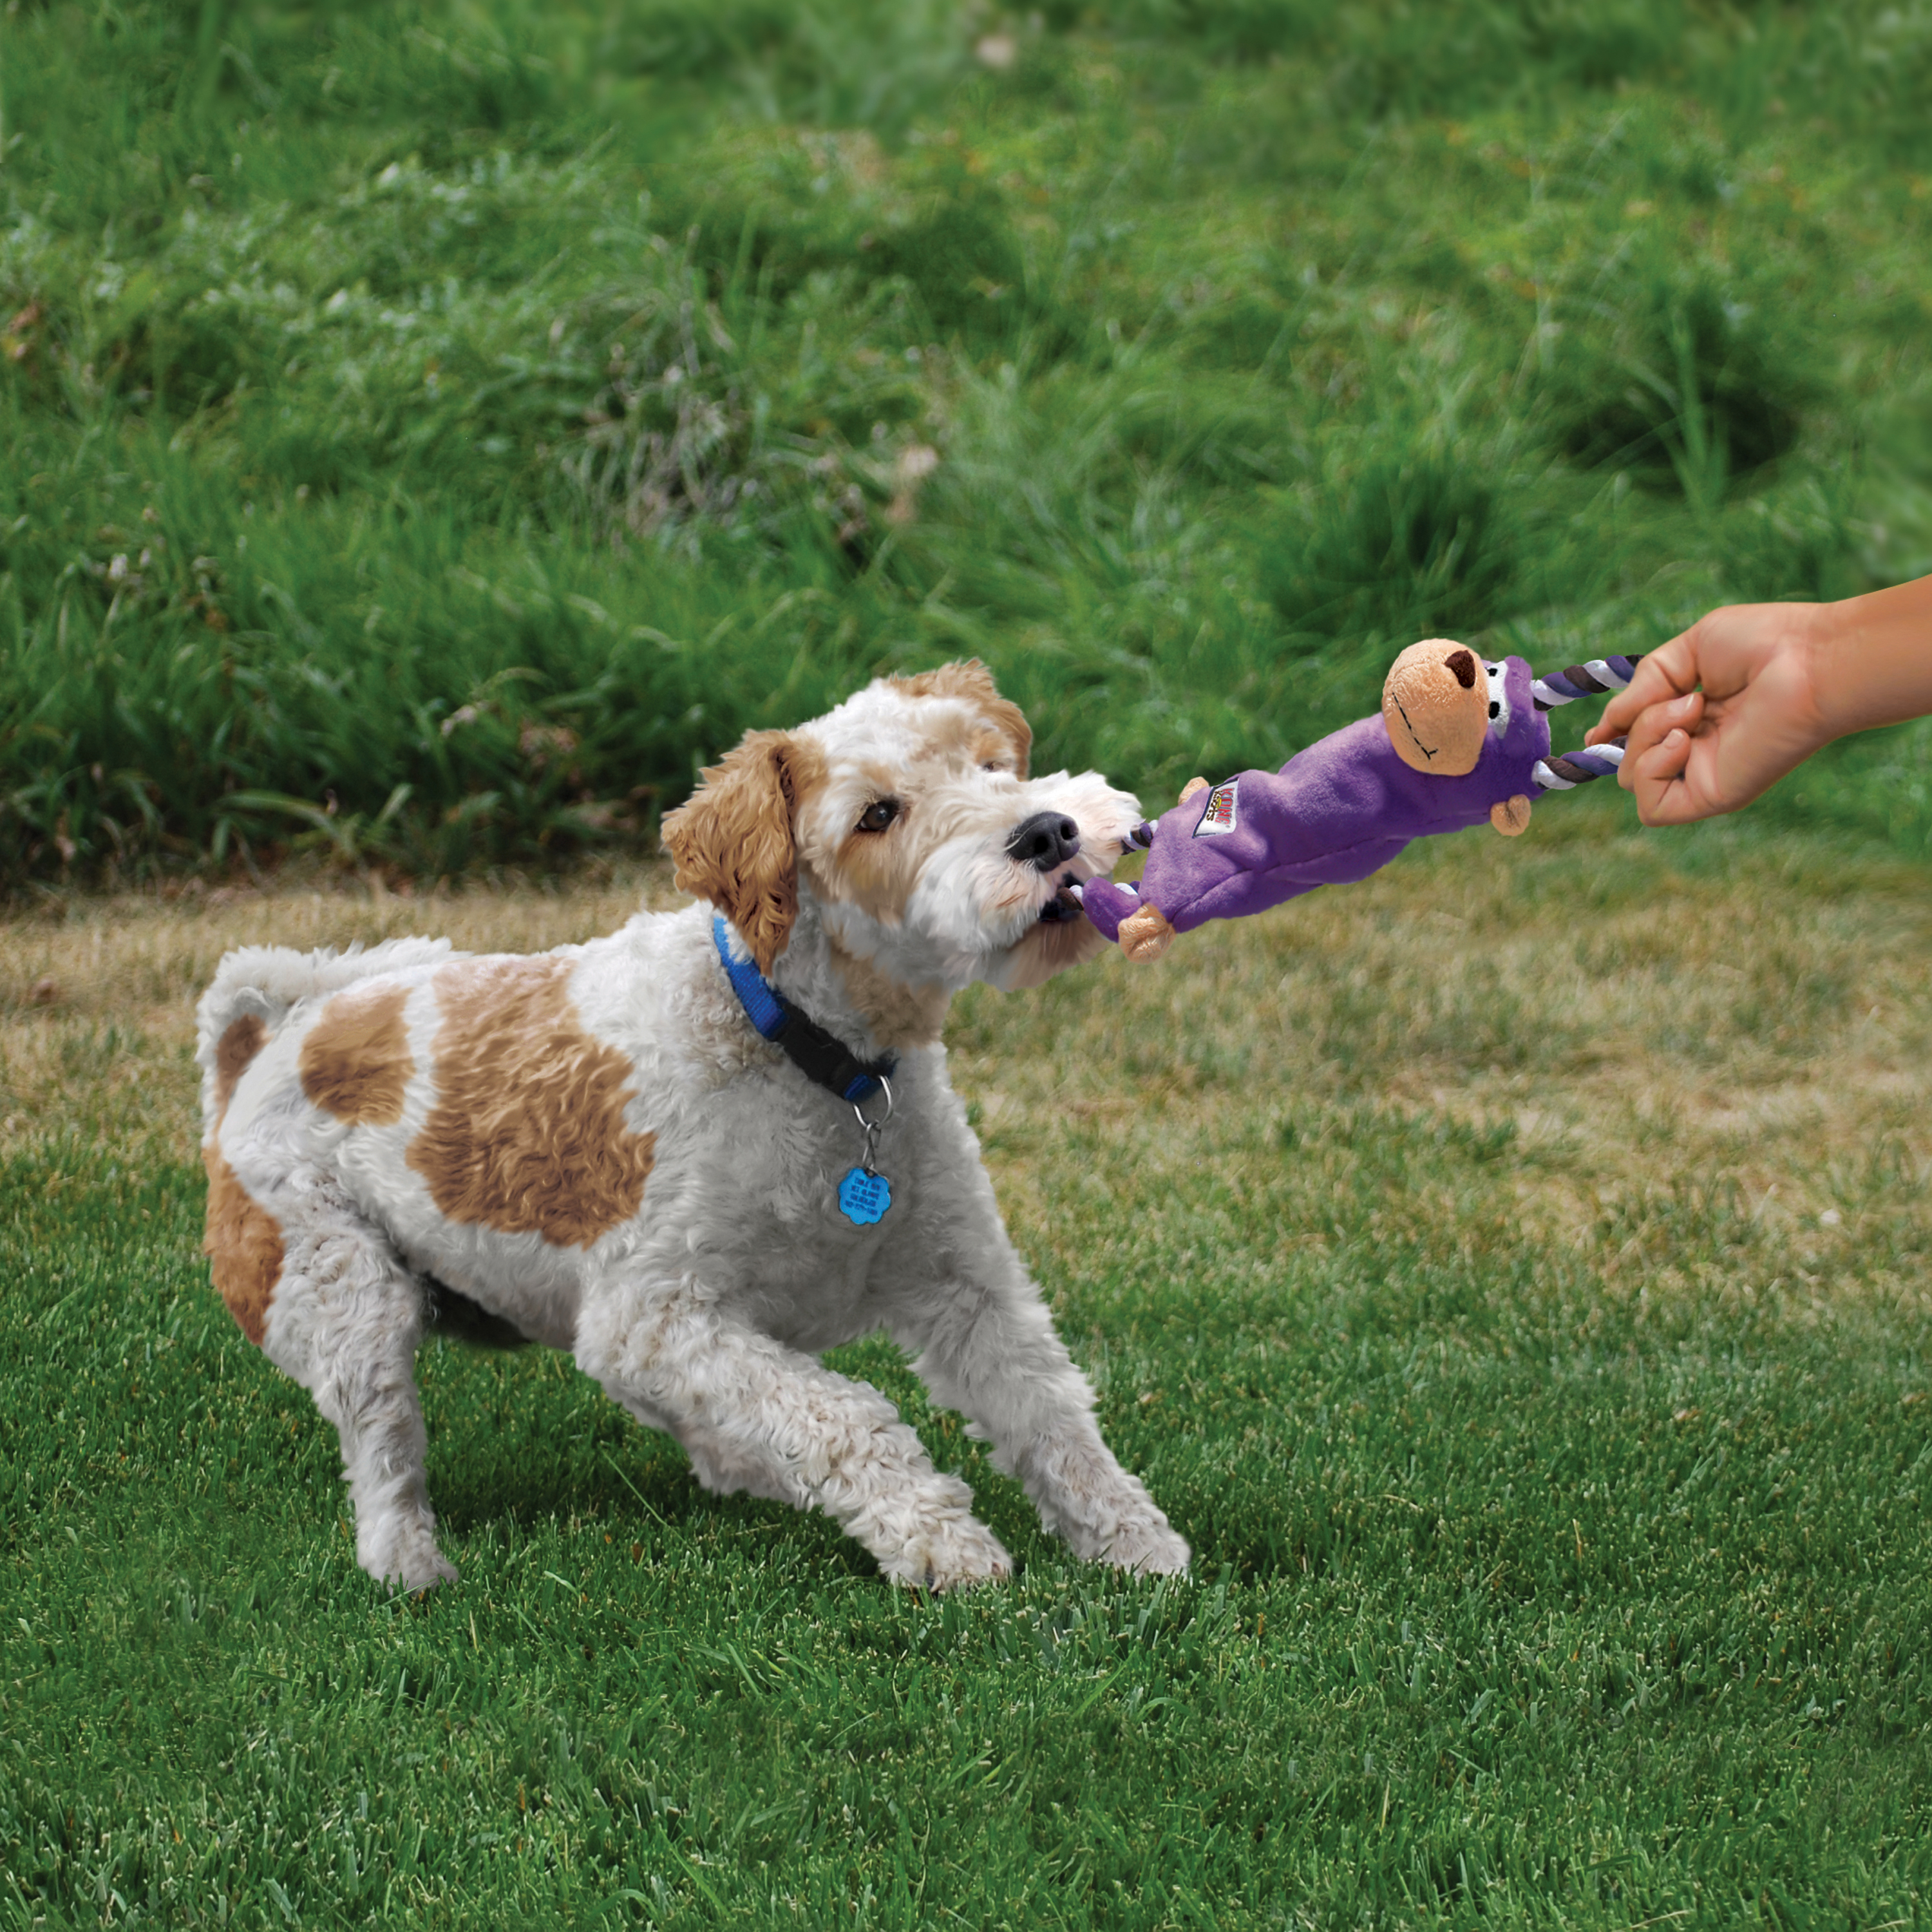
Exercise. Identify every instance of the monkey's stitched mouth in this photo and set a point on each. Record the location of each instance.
(1414, 736)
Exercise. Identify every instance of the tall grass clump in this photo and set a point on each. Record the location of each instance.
(433, 431)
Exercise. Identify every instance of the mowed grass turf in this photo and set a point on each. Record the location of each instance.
(1511, 1273)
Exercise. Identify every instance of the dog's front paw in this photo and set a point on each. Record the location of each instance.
(1149, 1548)
(409, 1561)
(950, 1555)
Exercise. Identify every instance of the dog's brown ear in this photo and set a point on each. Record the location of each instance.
(734, 841)
(968, 678)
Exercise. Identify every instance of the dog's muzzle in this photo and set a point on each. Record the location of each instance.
(1047, 840)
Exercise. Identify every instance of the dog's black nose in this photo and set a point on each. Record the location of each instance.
(1047, 839)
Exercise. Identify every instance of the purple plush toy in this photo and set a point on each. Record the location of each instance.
(1458, 740)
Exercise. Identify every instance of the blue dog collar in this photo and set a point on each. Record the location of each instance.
(816, 1053)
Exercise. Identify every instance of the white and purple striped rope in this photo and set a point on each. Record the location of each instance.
(1578, 767)
(1598, 678)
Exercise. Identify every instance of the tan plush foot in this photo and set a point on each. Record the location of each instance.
(1147, 935)
(1193, 789)
(1511, 817)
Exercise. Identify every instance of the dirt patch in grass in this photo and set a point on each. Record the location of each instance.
(1584, 1038)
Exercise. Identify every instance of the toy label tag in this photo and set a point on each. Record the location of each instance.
(1219, 813)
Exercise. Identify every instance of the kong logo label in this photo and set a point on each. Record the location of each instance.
(1219, 813)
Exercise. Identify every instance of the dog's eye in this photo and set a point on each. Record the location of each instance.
(992, 765)
(878, 814)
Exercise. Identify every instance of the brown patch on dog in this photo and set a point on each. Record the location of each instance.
(241, 1240)
(993, 748)
(527, 1134)
(243, 1243)
(899, 1017)
(971, 680)
(735, 842)
(239, 1044)
(878, 870)
(356, 1061)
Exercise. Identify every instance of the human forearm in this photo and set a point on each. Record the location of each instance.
(1872, 659)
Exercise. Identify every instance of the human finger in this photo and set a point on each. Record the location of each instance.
(1655, 723)
(1656, 777)
(1651, 723)
(1669, 671)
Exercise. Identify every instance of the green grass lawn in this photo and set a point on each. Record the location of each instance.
(1511, 1273)
(432, 429)
(428, 431)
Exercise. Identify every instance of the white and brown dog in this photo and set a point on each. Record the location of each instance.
(597, 1147)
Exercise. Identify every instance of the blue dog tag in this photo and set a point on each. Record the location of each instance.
(864, 1197)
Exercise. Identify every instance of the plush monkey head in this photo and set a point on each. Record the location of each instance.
(1437, 702)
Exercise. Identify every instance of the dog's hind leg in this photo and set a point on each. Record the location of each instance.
(756, 1415)
(990, 1351)
(344, 1322)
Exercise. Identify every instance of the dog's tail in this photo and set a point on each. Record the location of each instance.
(257, 987)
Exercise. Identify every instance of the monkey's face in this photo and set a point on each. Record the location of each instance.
(1439, 701)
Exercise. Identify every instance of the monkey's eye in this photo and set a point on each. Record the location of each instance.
(1495, 709)
(879, 815)
(1495, 671)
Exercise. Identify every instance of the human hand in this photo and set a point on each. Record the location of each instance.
(1695, 752)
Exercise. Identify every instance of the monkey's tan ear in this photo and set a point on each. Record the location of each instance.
(734, 841)
(1193, 788)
